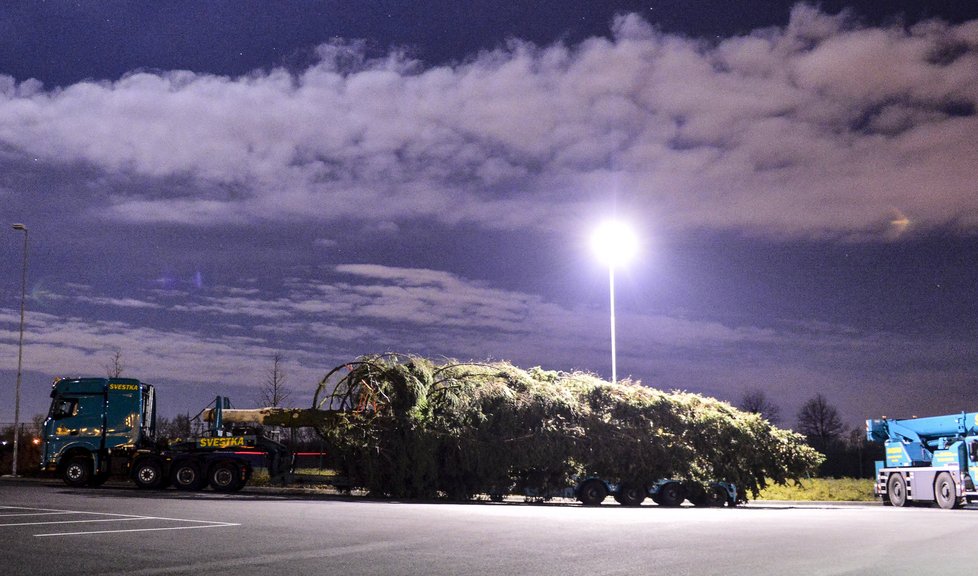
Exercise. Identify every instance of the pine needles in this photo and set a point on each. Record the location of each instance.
(406, 427)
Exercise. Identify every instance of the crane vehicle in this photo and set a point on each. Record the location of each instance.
(99, 427)
(927, 459)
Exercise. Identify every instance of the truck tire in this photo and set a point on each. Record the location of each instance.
(896, 490)
(945, 492)
(225, 477)
(671, 495)
(631, 494)
(77, 471)
(592, 492)
(147, 473)
(187, 475)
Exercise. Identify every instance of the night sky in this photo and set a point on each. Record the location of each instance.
(207, 184)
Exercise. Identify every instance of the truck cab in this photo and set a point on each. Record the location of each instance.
(91, 419)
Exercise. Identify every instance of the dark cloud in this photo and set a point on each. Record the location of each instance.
(820, 127)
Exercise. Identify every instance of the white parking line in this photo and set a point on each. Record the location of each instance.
(39, 511)
(38, 514)
(114, 518)
(214, 525)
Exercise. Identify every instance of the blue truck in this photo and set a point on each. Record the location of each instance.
(927, 459)
(97, 428)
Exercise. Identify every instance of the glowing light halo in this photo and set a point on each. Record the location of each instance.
(615, 243)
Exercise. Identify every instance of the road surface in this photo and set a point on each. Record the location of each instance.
(47, 529)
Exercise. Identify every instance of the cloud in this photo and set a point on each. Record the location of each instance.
(225, 336)
(818, 128)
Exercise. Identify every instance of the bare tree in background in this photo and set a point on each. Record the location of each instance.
(757, 402)
(819, 421)
(114, 367)
(273, 390)
(179, 427)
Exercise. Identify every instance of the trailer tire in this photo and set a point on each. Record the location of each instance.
(77, 471)
(896, 490)
(592, 492)
(630, 494)
(147, 473)
(945, 492)
(187, 475)
(225, 477)
(671, 495)
(712, 497)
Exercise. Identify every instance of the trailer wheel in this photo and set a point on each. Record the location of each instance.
(896, 489)
(225, 477)
(945, 492)
(630, 494)
(77, 471)
(147, 473)
(592, 492)
(714, 496)
(188, 476)
(671, 495)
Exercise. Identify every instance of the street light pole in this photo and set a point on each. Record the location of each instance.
(614, 363)
(20, 348)
(614, 243)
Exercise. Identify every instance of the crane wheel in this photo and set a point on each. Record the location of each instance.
(945, 492)
(896, 490)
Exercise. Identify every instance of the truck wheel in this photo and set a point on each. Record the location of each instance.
(188, 476)
(147, 473)
(671, 495)
(896, 490)
(945, 492)
(225, 477)
(631, 494)
(77, 471)
(592, 492)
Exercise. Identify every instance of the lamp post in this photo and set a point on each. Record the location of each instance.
(20, 348)
(615, 243)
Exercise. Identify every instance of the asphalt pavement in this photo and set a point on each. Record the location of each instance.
(50, 529)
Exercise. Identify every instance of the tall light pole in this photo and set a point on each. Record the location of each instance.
(20, 348)
(615, 243)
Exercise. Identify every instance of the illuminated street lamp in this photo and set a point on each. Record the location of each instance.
(615, 243)
(20, 349)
